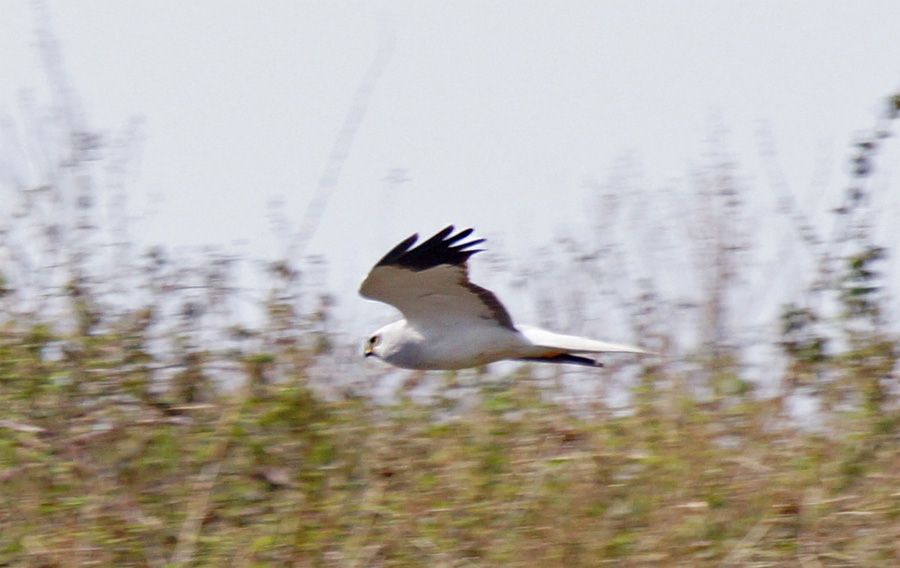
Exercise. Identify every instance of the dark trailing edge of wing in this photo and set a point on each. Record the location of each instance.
(490, 300)
(442, 248)
(567, 358)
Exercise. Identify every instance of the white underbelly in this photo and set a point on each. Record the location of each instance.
(476, 347)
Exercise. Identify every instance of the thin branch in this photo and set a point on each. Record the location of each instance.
(342, 144)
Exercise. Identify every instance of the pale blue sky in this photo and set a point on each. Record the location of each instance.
(498, 111)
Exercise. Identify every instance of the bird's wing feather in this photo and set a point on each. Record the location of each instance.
(430, 283)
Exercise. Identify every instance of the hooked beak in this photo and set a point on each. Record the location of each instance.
(367, 351)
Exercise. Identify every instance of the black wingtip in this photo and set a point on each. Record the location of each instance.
(399, 250)
(458, 236)
(443, 232)
(443, 247)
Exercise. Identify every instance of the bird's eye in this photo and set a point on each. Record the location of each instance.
(373, 341)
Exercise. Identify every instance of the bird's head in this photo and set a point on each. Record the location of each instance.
(372, 346)
(386, 341)
(379, 343)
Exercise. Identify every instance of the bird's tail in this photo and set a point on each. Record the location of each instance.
(558, 348)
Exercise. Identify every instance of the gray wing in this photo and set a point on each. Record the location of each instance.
(430, 283)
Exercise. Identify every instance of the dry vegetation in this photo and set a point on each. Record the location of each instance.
(105, 463)
(118, 446)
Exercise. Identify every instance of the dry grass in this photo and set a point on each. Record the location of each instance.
(93, 474)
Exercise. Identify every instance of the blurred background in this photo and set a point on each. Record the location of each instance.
(193, 191)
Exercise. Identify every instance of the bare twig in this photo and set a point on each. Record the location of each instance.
(205, 481)
(750, 540)
(342, 144)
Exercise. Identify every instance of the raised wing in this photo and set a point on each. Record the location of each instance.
(430, 283)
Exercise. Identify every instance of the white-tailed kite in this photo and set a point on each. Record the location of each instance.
(451, 323)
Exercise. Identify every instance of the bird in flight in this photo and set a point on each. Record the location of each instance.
(451, 323)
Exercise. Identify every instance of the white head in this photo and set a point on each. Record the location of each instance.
(392, 343)
(386, 341)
